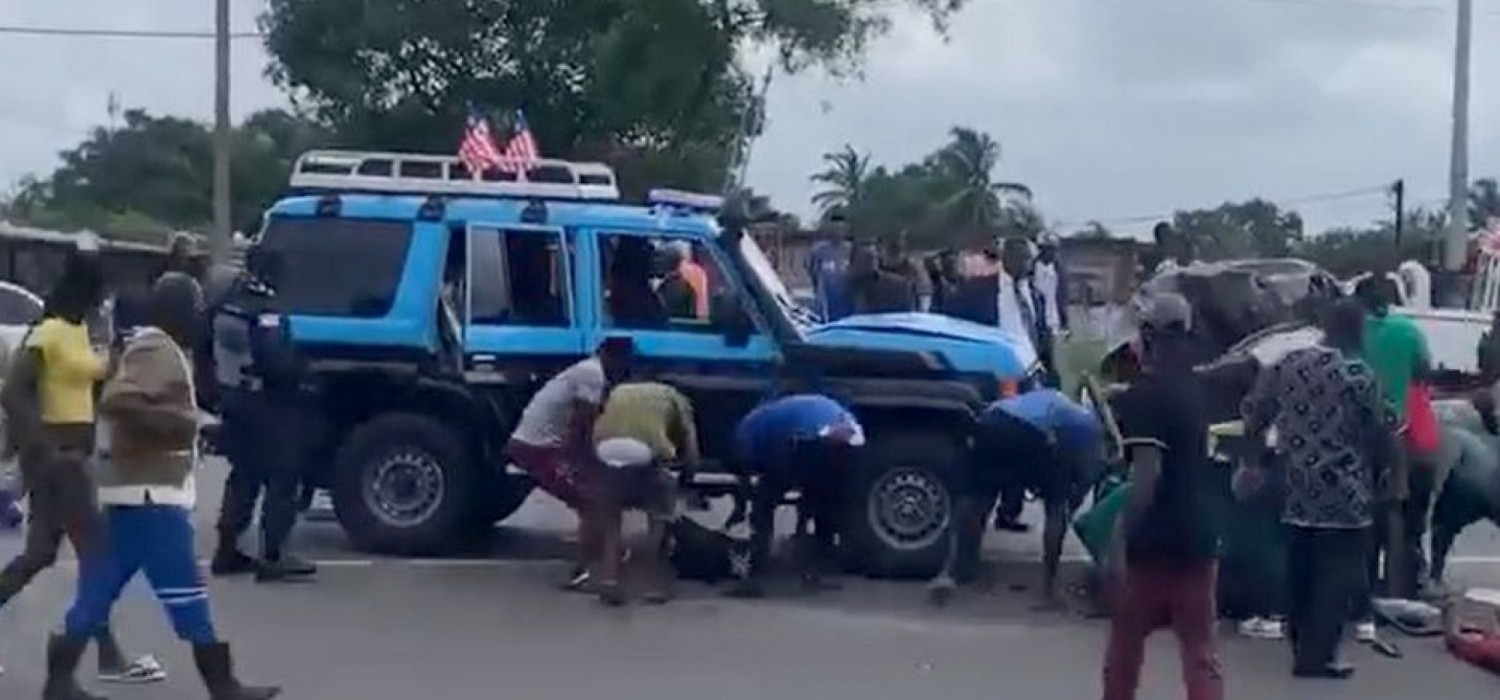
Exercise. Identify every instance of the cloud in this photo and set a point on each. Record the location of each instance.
(57, 88)
(1108, 108)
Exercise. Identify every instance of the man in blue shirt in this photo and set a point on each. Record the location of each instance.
(802, 442)
(828, 269)
(1039, 441)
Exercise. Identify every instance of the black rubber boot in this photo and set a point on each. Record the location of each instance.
(217, 668)
(230, 561)
(63, 655)
(284, 566)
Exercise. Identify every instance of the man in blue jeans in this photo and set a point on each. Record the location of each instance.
(148, 494)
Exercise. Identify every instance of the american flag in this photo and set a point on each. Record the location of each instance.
(477, 149)
(521, 151)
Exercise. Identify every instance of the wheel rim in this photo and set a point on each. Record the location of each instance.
(908, 509)
(405, 488)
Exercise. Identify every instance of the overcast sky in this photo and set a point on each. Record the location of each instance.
(1109, 109)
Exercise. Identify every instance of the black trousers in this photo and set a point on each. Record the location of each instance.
(61, 494)
(813, 468)
(260, 438)
(1326, 572)
(1420, 485)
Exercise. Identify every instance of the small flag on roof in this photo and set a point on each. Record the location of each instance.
(477, 149)
(521, 152)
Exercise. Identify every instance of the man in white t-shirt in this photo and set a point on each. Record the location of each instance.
(553, 442)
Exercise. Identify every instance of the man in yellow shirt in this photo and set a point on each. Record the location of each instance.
(643, 428)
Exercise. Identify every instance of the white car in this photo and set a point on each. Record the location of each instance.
(19, 308)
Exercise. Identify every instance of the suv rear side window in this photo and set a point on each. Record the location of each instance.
(337, 267)
(518, 277)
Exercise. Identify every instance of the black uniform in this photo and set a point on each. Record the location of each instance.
(257, 375)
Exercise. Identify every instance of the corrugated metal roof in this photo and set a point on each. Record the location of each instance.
(16, 231)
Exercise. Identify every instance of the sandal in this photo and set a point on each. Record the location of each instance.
(145, 669)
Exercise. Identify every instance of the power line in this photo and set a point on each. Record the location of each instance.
(1288, 202)
(1356, 5)
(118, 33)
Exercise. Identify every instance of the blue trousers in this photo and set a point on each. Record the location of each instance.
(156, 540)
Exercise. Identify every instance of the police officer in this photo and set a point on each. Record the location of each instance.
(257, 375)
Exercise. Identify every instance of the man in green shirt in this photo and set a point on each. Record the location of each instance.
(1396, 351)
(644, 427)
(1393, 346)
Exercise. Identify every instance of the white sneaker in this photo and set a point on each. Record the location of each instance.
(1263, 628)
(1365, 632)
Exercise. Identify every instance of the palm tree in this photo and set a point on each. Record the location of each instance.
(968, 163)
(846, 176)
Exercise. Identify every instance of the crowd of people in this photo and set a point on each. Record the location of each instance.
(607, 436)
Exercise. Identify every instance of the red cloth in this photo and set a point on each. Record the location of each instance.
(1422, 433)
(1153, 597)
(1478, 648)
(549, 468)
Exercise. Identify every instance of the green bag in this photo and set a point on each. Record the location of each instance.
(1095, 526)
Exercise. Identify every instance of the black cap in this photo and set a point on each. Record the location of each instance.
(617, 347)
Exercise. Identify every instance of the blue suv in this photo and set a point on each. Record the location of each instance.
(431, 304)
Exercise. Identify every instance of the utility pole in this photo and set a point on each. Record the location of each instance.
(1399, 190)
(1456, 243)
(219, 242)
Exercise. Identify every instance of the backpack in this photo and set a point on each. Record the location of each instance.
(19, 399)
(702, 554)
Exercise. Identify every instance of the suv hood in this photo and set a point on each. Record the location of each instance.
(969, 347)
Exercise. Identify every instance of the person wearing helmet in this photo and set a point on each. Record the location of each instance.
(1162, 559)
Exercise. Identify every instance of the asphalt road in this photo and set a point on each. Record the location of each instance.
(491, 625)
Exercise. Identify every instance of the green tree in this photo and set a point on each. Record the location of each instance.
(844, 180)
(1349, 251)
(1484, 202)
(968, 164)
(1252, 229)
(151, 175)
(655, 87)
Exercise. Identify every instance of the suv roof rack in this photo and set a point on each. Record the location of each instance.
(419, 173)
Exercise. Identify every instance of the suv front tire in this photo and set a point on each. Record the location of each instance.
(404, 485)
(902, 503)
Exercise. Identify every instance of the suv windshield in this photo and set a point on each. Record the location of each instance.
(370, 255)
(765, 272)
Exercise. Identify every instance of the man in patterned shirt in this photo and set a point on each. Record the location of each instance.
(1336, 430)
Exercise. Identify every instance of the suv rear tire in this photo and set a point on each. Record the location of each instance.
(404, 484)
(901, 504)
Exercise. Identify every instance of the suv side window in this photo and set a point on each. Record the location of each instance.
(658, 283)
(337, 267)
(517, 277)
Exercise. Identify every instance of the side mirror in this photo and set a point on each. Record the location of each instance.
(727, 315)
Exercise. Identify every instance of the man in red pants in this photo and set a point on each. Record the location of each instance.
(1162, 557)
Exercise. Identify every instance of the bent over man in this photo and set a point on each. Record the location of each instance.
(1041, 442)
(805, 442)
(148, 493)
(553, 442)
(645, 428)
